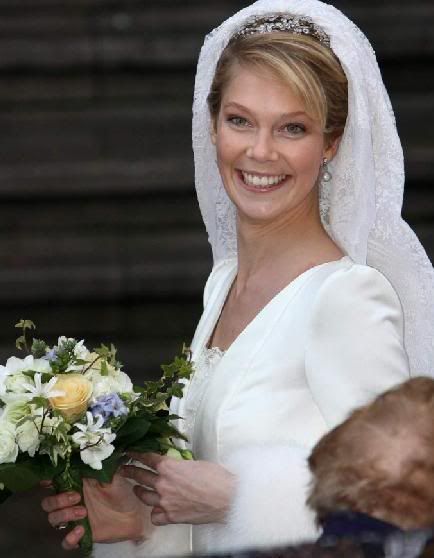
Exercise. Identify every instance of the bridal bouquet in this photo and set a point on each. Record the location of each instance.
(68, 413)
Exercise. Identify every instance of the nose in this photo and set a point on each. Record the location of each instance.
(262, 148)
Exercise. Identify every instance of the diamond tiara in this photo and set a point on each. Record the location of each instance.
(301, 25)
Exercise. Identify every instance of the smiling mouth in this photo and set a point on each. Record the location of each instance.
(262, 181)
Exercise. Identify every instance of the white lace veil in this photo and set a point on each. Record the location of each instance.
(361, 206)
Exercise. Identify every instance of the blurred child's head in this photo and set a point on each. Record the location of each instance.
(380, 461)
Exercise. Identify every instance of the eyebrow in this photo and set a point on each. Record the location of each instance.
(285, 115)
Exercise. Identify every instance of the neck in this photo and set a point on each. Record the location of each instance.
(290, 246)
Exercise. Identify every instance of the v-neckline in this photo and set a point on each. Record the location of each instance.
(225, 293)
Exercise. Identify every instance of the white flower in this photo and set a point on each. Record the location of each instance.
(15, 368)
(31, 431)
(16, 365)
(28, 436)
(49, 423)
(94, 441)
(3, 377)
(80, 351)
(14, 411)
(94, 363)
(104, 385)
(16, 382)
(38, 389)
(8, 445)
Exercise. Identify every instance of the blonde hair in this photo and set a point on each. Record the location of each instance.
(310, 69)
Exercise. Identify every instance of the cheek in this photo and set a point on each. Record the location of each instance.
(227, 148)
(308, 158)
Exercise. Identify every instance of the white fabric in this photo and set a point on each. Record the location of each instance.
(329, 341)
(361, 206)
(170, 540)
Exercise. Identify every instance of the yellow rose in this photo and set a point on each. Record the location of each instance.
(78, 391)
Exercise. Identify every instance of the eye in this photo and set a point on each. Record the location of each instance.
(294, 129)
(238, 121)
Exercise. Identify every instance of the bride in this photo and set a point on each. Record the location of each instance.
(320, 296)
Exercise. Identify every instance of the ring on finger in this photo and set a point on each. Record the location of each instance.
(61, 526)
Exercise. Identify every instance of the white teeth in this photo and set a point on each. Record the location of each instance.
(262, 181)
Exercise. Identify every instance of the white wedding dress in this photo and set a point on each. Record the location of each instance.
(330, 341)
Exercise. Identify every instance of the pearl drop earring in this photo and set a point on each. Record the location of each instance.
(326, 174)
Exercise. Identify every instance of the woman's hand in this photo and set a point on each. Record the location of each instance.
(114, 512)
(182, 491)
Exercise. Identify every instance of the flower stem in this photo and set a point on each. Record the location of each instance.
(70, 480)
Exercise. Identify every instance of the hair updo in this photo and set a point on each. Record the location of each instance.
(310, 69)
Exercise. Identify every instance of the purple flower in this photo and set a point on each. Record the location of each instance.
(51, 355)
(109, 406)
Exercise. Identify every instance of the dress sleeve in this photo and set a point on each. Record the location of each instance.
(165, 541)
(354, 350)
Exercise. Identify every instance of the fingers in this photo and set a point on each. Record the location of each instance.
(158, 517)
(59, 501)
(148, 497)
(62, 517)
(149, 459)
(72, 539)
(46, 484)
(62, 509)
(142, 476)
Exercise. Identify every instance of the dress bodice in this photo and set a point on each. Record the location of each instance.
(205, 365)
(331, 340)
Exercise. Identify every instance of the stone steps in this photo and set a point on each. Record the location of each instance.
(59, 35)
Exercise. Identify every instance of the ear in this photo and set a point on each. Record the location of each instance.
(213, 132)
(332, 147)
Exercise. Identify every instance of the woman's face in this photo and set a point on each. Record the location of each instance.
(269, 150)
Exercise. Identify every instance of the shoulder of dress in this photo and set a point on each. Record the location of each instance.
(352, 284)
(219, 273)
(353, 276)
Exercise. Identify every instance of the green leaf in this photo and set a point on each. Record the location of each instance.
(104, 475)
(168, 370)
(20, 343)
(187, 455)
(40, 402)
(145, 446)
(133, 430)
(104, 368)
(18, 478)
(25, 324)
(39, 348)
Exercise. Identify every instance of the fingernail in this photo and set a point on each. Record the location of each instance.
(74, 498)
(80, 513)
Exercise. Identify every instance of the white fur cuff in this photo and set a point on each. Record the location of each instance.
(269, 506)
